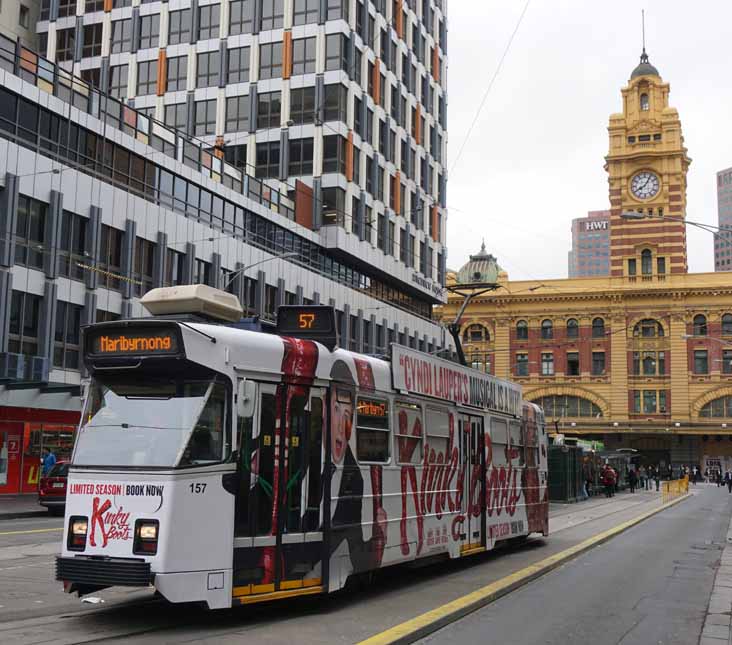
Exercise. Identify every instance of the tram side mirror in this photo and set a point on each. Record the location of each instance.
(245, 398)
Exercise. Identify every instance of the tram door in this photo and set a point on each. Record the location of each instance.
(278, 543)
(471, 459)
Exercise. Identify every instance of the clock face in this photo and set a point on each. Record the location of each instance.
(645, 185)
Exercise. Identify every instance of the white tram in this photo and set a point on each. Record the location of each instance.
(229, 466)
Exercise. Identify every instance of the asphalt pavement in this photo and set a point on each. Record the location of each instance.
(652, 584)
(33, 609)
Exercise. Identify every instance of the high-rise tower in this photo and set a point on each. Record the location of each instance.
(647, 165)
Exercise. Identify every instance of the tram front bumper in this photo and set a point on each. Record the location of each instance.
(86, 574)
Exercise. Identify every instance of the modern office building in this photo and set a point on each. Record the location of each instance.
(590, 253)
(339, 104)
(99, 203)
(723, 241)
(18, 20)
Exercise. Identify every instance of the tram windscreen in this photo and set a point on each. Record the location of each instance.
(147, 423)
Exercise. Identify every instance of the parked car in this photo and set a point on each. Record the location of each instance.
(52, 490)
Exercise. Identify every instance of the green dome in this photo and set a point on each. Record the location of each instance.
(481, 268)
(644, 67)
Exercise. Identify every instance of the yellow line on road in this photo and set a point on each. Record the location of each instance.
(429, 622)
(60, 528)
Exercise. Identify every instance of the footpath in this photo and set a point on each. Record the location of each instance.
(718, 623)
(13, 507)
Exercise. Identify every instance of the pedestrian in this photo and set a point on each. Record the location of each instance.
(632, 480)
(728, 481)
(608, 480)
(718, 476)
(694, 475)
(706, 475)
(657, 477)
(48, 461)
(649, 477)
(642, 474)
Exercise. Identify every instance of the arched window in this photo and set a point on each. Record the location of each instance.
(727, 325)
(646, 262)
(522, 330)
(566, 405)
(644, 102)
(700, 325)
(721, 407)
(476, 334)
(598, 328)
(547, 329)
(572, 328)
(648, 328)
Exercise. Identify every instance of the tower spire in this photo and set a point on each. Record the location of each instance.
(644, 56)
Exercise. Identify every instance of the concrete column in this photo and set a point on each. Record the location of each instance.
(618, 364)
(215, 279)
(299, 294)
(359, 332)
(53, 228)
(316, 298)
(259, 294)
(93, 242)
(502, 360)
(161, 257)
(346, 327)
(280, 292)
(678, 353)
(6, 293)
(8, 220)
(47, 320)
(128, 256)
(189, 263)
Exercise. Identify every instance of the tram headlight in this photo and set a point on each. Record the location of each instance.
(149, 531)
(78, 527)
(146, 537)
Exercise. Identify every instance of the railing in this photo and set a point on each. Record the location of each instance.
(674, 488)
(177, 145)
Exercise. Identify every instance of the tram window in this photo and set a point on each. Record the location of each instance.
(263, 465)
(296, 461)
(207, 441)
(312, 513)
(516, 441)
(246, 480)
(438, 434)
(372, 430)
(499, 440)
(409, 432)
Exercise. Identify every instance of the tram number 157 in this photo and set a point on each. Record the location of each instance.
(198, 488)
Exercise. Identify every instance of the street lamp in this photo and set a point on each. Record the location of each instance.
(236, 273)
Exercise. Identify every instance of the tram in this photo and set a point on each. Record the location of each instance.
(228, 466)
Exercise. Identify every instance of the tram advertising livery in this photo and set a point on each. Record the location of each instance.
(228, 466)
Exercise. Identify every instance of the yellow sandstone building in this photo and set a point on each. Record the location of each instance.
(641, 358)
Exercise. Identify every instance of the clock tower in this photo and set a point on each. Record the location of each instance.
(647, 165)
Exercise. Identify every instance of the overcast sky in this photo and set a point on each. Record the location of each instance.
(535, 158)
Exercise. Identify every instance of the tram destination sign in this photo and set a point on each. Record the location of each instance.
(132, 341)
(419, 373)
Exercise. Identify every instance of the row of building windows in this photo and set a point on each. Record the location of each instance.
(25, 328)
(572, 329)
(572, 366)
(38, 128)
(303, 60)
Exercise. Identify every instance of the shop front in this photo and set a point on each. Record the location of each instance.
(24, 433)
